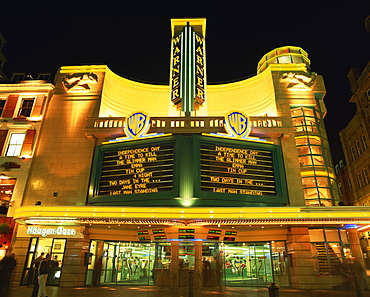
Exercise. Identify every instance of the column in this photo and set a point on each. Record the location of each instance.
(355, 246)
(74, 268)
(98, 262)
(174, 267)
(301, 270)
(198, 268)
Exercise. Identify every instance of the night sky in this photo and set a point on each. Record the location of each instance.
(136, 44)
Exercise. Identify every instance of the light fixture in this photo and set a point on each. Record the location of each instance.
(23, 157)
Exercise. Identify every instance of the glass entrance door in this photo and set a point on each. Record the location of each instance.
(127, 263)
(246, 264)
(42, 247)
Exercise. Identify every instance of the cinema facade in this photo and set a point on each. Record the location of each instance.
(139, 184)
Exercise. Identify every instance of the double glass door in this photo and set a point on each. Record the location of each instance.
(122, 263)
(246, 264)
(48, 246)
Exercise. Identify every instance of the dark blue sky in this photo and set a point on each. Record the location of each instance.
(135, 41)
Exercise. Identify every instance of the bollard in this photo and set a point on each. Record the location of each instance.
(191, 274)
(273, 290)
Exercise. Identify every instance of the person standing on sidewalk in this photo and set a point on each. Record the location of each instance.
(360, 273)
(43, 272)
(7, 266)
(32, 273)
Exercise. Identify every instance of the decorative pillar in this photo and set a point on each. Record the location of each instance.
(74, 268)
(174, 266)
(355, 246)
(301, 269)
(98, 262)
(198, 268)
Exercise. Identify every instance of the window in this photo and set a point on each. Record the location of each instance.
(44, 76)
(26, 107)
(336, 169)
(18, 76)
(366, 175)
(15, 144)
(340, 189)
(364, 142)
(350, 185)
(358, 148)
(330, 247)
(2, 104)
(6, 191)
(359, 179)
(353, 153)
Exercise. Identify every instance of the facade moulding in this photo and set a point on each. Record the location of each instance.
(198, 216)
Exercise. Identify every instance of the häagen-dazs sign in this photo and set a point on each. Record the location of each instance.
(51, 231)
(34, 230)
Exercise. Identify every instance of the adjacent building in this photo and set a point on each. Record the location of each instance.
(22, 106)
(353, 178)
(134, 183)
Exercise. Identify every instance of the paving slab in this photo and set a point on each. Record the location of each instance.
(150, 291)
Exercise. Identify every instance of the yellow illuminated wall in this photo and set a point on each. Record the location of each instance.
(254, 96)
(121, 97)
(61, 167)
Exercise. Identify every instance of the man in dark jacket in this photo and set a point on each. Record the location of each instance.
(7, 266)
(43, 272)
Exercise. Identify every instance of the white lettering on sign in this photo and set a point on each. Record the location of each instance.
(34, 230)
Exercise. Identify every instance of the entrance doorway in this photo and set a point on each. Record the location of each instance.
(246, 264)
(223, 264)
(53, 246)
(122, 263)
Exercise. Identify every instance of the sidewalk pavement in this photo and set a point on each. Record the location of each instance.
(152, 291)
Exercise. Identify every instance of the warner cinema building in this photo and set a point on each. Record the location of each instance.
(129, 183)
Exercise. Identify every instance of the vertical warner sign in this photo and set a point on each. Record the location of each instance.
(175, 72)
(199, 71)
(187, 73)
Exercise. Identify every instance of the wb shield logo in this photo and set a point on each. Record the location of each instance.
(237, 124)
(137, 124)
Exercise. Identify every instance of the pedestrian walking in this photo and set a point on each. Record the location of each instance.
(43, 271)
(7, 265)
(54, 266)
(32, 273)
(356, 267)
